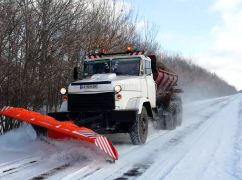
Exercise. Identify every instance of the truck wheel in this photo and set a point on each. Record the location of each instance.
(179, 113)
(171, 117)
(139, 131)
(179, 109)
(160, 122)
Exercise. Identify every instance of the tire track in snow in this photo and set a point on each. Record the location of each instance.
(165, 146)
(36, 170)
(168, 141)
(16, 162)
(190, 138)
(51, 172)
(205, 105)
(15, 167)
(49, 164)
(174, 141)
(135, 172)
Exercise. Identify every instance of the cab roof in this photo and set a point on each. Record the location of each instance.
(100, 56)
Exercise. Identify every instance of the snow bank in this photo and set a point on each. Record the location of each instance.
(23, 142)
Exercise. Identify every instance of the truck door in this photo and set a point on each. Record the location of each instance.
(142, 78)
(151, 87)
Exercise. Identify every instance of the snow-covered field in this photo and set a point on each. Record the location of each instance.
(208, 145)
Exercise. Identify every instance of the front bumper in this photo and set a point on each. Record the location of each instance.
(112, 121)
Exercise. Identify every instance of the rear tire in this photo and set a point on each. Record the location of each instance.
(179, 111)
(171, 117)
(139, 130)
(160, 121)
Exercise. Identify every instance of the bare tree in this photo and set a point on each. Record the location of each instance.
(42, 40)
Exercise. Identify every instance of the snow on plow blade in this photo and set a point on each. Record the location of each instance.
(65, 128)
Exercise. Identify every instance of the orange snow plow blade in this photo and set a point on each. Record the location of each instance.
(61, 129)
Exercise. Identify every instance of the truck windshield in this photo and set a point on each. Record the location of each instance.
(120, 66)
(126, 66)
(96, 67)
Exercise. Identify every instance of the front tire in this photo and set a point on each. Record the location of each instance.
(139, 130)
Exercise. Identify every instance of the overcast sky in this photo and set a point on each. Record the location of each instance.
(208, 31)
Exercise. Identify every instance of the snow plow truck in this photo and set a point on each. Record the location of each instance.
(114, 93)
(120, 92)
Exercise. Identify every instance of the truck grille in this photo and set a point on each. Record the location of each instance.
(91, 102)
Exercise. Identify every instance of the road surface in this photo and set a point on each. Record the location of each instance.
(208, 145)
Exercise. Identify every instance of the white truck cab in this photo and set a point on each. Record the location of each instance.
(130, 77)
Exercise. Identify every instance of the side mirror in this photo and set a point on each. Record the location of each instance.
(75, 73)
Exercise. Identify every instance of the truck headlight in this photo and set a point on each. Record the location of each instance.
(63, 91)
(117, 88)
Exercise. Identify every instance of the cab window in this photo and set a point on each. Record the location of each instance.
(147, 67)
(126, 66)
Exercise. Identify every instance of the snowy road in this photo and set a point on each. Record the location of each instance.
(207, 146)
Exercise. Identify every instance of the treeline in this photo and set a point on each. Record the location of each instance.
(42, 40)
(196, 82)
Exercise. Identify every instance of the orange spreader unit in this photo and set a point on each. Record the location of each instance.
(59, 129)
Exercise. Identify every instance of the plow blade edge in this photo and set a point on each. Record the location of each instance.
(66, 128)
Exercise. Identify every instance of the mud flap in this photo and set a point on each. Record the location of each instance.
(59, 129)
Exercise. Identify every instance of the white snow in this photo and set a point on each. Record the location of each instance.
(208, 146)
